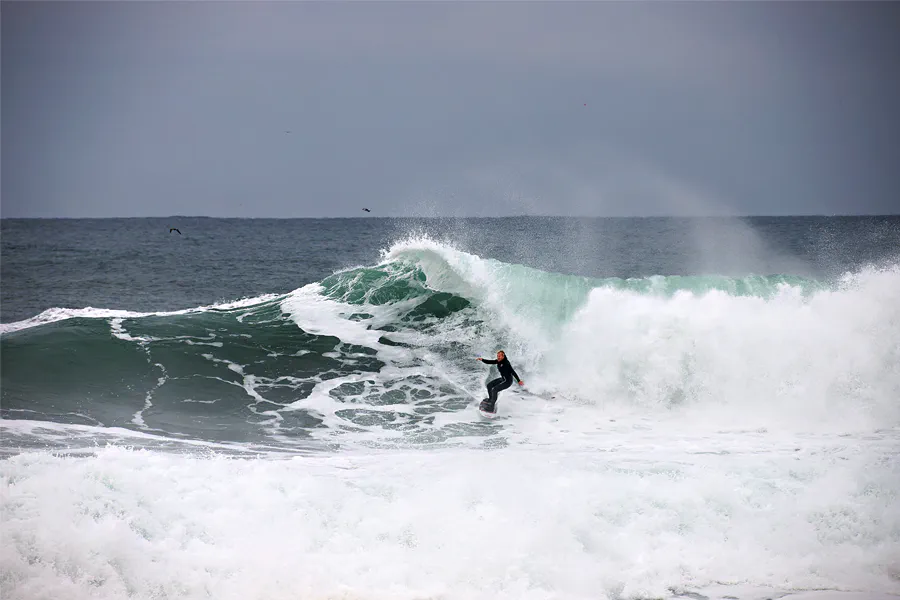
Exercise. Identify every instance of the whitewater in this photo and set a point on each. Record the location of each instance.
(677, 436)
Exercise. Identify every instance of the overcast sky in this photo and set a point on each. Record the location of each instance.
(284, 109)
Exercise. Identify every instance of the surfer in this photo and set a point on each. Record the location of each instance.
(501, 383)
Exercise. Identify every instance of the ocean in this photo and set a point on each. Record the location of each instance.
(286, 409)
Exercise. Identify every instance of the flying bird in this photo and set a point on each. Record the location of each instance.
(367, 210)
(171, 229)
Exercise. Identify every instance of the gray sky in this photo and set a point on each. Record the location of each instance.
(476, 109)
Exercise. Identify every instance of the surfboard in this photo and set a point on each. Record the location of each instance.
(486, 414)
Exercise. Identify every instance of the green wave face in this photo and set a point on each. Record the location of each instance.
(385, 284)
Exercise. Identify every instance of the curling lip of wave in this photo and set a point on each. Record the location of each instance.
(445, 264)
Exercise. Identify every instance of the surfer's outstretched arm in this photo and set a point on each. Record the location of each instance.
(487, 361)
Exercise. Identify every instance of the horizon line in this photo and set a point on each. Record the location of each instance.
(619, 217)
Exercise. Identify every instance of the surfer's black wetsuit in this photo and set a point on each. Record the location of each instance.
(501, 383)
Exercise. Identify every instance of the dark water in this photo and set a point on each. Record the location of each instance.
(136, 264)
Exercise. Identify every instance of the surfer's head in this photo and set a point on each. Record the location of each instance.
(501, 354)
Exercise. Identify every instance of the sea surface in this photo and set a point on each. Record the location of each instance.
(285, 409)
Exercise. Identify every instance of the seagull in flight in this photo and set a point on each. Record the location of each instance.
(367, 210)
(171, 229)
